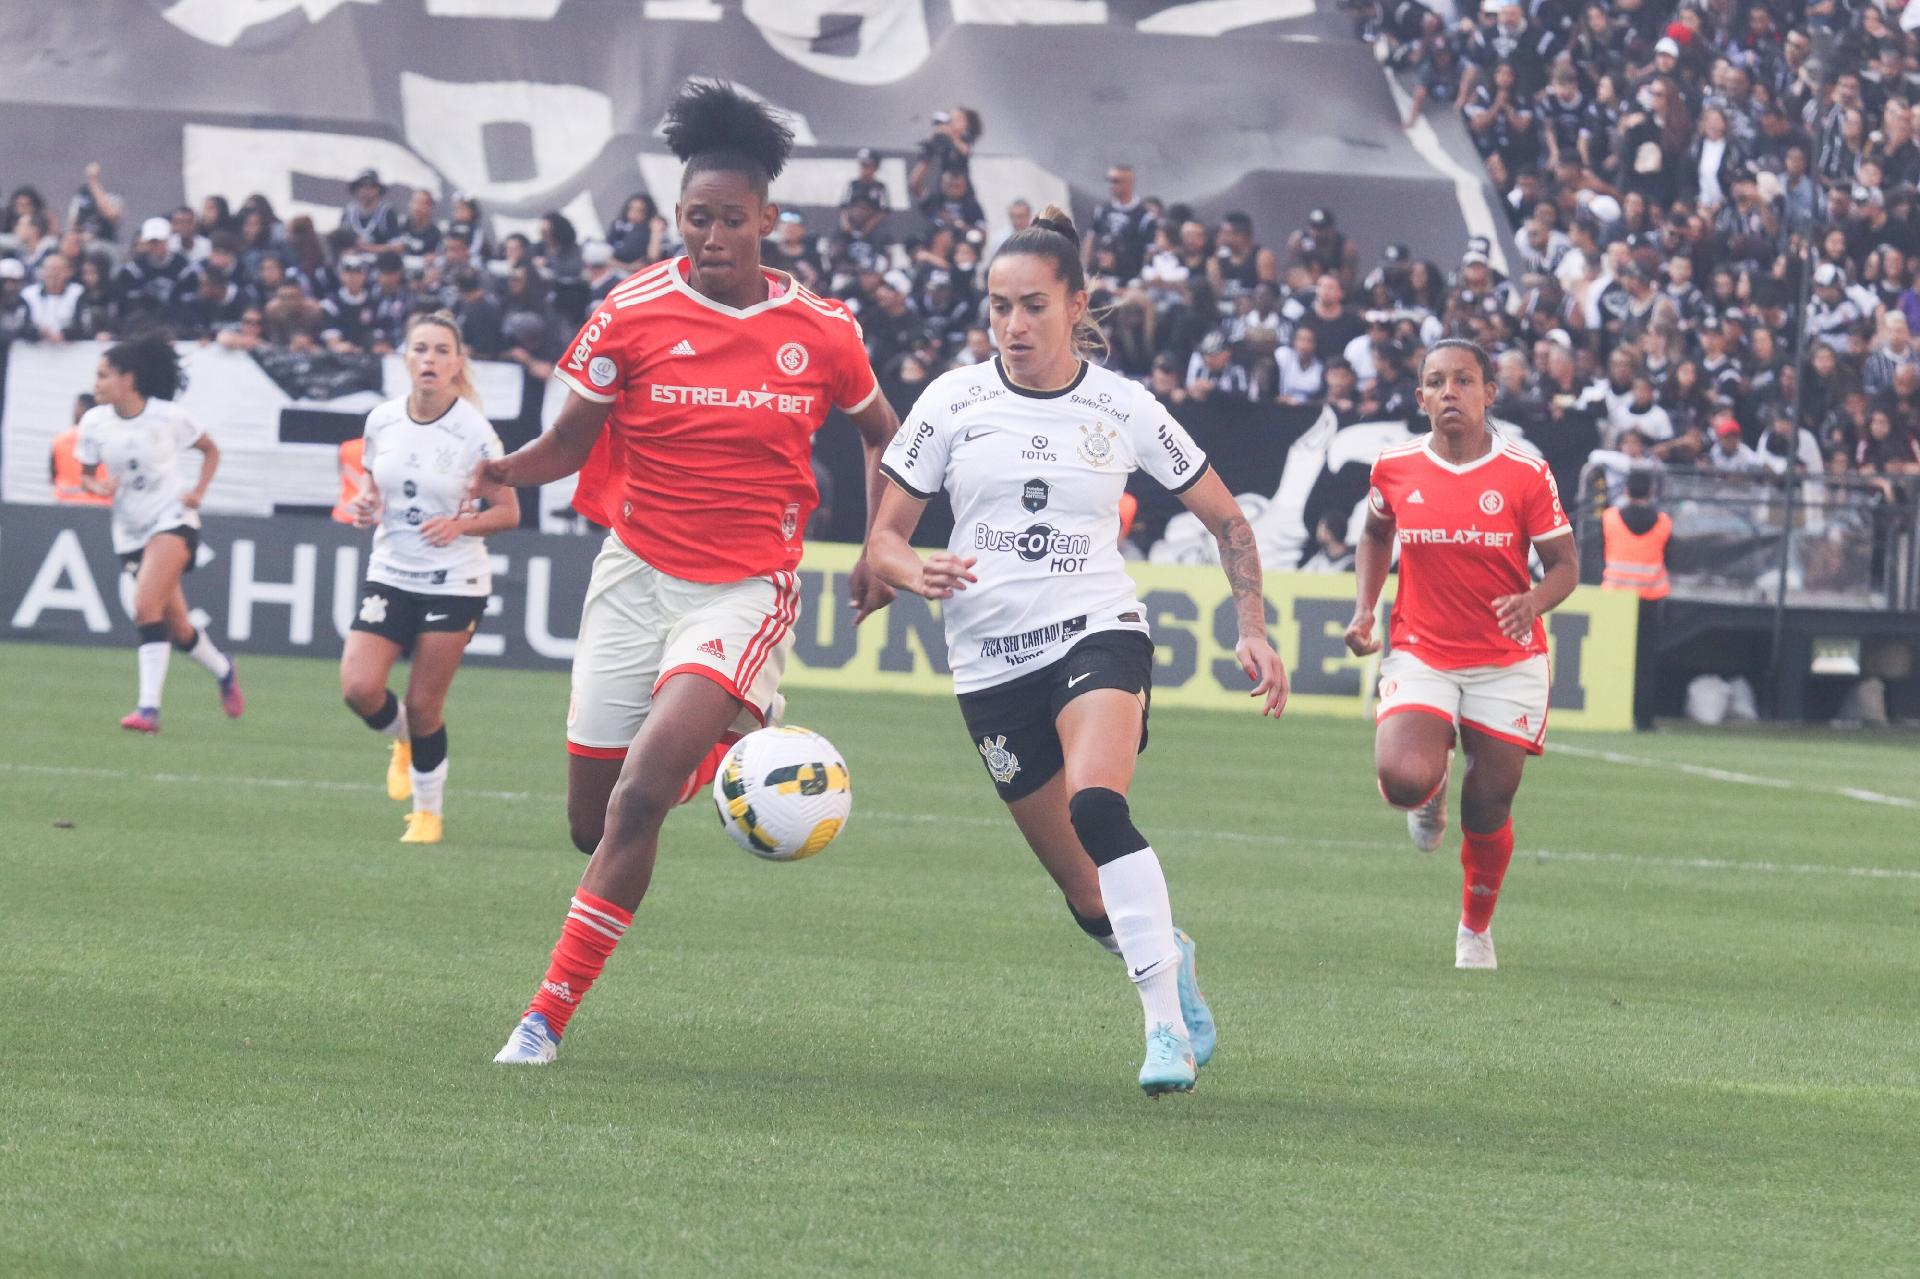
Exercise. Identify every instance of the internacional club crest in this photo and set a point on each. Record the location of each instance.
(1492, 503)
(792, 359)
(1096, 445)
(1001, 762)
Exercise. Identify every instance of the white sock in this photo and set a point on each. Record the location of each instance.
(429, 789)
(1135, 891)
(398, 729)
(205, 652)
(153, 672)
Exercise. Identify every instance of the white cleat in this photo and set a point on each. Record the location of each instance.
(530, 1044)
(1427, 824)
(1473, 950)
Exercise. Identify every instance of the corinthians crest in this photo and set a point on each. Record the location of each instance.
(1096, 444)
(1001, 762)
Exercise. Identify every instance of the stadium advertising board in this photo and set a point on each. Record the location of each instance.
(291, 585)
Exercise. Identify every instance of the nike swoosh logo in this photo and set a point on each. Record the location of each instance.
(437, 617)
(1138, 973)
(976, 433)
(1075, 679)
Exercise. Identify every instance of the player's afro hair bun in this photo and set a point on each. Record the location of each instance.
(713, 125)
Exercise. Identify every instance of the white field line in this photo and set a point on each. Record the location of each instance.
(1740, 779)
(995, 821)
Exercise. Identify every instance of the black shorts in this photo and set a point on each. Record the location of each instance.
(192, 535)
(400, 615)
(1011, 724)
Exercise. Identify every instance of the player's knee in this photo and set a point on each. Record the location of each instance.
(363, 694)
(1484, 812)
(423, 714)
(638, 807)
(586, 831)
(1408, 787)
(1104, 824)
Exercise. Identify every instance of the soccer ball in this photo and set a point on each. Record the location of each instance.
(783, 793)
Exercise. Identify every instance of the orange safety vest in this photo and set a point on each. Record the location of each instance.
(68, 474)
(1636, 561)
(352, 474)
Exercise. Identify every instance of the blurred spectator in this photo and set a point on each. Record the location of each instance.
(479, 315)
(1731, 453)
(184, 235)
(953, 204)
(419, 234)
(640, 236)
(294, 320)
(1121, 224)
(1301, 373)
(603, 272)
(466, 217)
(1322, 248)
(1332, 554)
(394, 302)
(372, 221)
(352, 321)
(867, 180)
(95, 212)
(214, 301)
(1238, 264)
(53, 301)
(151, 281)
(793, 250)
(1213, 371)
(16, 317)
(947, 149)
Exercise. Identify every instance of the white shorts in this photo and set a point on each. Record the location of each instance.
(639, 627)
(1507, 702)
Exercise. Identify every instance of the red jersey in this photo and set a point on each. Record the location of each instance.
(1464, 534)
(705, 467)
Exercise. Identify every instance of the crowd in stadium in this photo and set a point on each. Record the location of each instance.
(1689, 185)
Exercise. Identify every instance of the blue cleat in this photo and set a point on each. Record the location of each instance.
(1193, 1004)
(530, 1044)
(1169, 1063)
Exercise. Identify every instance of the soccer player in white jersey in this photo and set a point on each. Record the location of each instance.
(428, 577)
(1469, 653)
(1049, 646)
(138, 436)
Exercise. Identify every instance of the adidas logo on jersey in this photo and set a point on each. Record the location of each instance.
(713, 648)
(1415, 497)
(683, 347)
(1520, 723)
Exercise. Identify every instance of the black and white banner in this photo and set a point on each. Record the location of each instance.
(1267, 105)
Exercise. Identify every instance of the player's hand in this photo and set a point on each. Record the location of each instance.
(441, 530)
(365, 508)
(1516, 615)
(1268, 673)
(943, 573)
(1359, 637)
(192, 499)
(488, 481)
(868, 594)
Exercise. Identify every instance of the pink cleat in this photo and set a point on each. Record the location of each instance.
(232, 700)
(144, 720)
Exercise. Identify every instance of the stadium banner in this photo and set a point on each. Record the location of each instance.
(538, 105)
(292, 586)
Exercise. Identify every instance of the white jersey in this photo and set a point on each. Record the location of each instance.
(143, 455)
(1035, 481)
(421, 470)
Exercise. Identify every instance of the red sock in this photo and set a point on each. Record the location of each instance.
(708, 770)
(1485, 858)
(594, 927)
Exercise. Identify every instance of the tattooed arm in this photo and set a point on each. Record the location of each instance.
(1240, 559)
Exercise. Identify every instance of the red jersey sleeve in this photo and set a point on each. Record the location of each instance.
(1377, 500)
(595, 366)
(854, 385)
(1541, 510)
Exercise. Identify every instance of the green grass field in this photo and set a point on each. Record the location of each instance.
(248, 1033)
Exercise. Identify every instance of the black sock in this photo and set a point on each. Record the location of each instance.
(388, 712)
(193, 637)
(430, 752)
(1097, 927)
(153, 633)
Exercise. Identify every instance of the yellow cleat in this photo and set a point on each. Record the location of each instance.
(400, 771)
(422, 828)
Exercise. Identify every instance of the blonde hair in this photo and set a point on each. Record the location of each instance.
(462, 385)
(1052, 236)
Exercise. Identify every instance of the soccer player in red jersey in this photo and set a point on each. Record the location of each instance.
(695, 389)
(1468, 650)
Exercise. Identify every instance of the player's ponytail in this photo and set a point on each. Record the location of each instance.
(462, 382)
(712, 126)
(154, 363)
(1053, 236)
